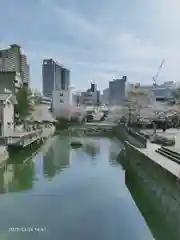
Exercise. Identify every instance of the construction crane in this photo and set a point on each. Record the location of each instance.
(157, 74)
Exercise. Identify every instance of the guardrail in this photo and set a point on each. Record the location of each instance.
(24, 139)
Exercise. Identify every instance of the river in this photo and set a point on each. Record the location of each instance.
(69, 194)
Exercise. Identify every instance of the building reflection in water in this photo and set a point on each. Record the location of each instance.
(19, 177)
(39, 166)
(23, 176)
(150, 208)
(114, 151)
(16, 177)
(91, 148)
(2, 187)
(57, 157)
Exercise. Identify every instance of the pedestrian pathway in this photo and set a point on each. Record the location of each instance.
(150, 151)
(169, 133)
(164, 162)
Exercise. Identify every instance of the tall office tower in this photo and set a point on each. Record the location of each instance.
(24, 70)
(65, 79)
(105, 96)
(117, 91)
(93, 87)
(11, 59)
(51, 75)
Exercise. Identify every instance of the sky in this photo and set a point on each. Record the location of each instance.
(98, 40)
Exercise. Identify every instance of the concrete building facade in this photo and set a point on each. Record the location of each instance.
(7, 101)
(90, 98)
(11, 81)
(12, 59)
(105, 96)
(117, 91)
(54, 76)
(61, 103)
(24, 70)
(65, 79)
(162, 92)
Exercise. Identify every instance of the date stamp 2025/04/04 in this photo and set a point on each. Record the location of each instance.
(27, 229)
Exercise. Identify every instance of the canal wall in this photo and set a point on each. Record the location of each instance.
(162, 184)
(87, 131)
(150, 207)
(124, 133)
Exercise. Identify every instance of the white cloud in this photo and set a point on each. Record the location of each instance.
(136, 55)
(123, 41)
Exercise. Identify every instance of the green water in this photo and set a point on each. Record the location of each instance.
(69, 194)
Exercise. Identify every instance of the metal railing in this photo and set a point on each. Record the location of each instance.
(24, 138)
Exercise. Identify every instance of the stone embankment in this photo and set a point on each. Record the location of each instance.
(124, 133)
(87, 131)
(161, 177)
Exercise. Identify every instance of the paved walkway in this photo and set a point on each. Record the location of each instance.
(164, 162)
(169, 133)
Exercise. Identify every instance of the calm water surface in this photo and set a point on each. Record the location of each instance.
(69, 194)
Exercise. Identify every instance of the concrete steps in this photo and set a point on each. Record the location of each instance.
(169, 153)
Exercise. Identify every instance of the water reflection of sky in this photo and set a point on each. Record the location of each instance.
(83, 201)
(39, 166)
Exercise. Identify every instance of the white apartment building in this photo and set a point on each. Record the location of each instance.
(7, 101)
(61, 103)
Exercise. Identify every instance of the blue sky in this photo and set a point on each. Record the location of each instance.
(97, 39)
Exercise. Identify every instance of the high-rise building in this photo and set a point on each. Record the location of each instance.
(65, 79)
(10, 80)
(51, 72)
(12, 59)
(55, 77)
(24, 70)
(117, 91)
(93, 87)
(105, 96)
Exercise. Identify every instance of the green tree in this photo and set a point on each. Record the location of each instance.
(25, 105)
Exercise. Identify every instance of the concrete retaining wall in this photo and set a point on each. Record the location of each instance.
(162, 184)
(124, 133)
(150, 207)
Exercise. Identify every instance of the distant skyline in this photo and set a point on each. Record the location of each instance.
(97, 40)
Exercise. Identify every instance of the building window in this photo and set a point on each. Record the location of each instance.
(61, 94)
(61, 101)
